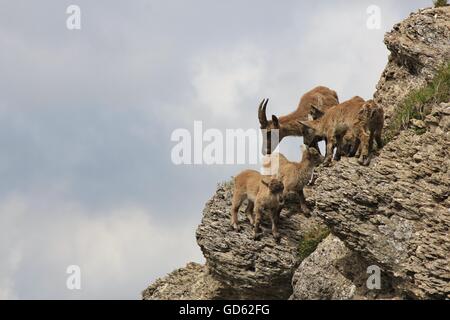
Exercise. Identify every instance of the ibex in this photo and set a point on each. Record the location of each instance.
(264, 195)
(322, 98)
(371, 117)
(296, 175)
(367, 128)
(337, 124)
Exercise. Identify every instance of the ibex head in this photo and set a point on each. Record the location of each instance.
(312, 155)
(268, 127)
(310, 132)
(275, 185)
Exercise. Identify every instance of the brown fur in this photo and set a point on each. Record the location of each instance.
(337, 124)
(318, 99)
(372, 119)
(264, 195)
(296, 175)
(368, 128)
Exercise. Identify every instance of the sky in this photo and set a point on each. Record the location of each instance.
(86, 118)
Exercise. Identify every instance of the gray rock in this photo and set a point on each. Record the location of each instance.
(190, 283)
(251, 269)
(396, 212)
(319, 277)
(419, 46)
(334, 272)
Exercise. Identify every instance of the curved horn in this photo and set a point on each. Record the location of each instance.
(262, 113)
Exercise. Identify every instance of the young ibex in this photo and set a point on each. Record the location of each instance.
(320, 98)
(264, 195)
(372, 119)
(296, 175)
(351, 126)
(336, 124)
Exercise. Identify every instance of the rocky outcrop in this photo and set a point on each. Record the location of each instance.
(251, 269)
(419, 46)
(396, 212)
(189, 283)
(334, 272)
(319, 276)
(237, 266)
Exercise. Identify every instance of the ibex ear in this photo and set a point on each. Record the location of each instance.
(308, 124)
(276, 122)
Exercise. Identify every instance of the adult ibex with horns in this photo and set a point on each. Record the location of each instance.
(316, 101)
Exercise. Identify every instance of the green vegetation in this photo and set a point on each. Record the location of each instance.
(413, 106)
(310, 241)
(440, 3)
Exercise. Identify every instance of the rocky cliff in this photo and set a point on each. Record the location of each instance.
(239, 267)
(394, 214)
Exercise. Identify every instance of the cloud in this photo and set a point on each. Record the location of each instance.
(119, 252)
(222, 80)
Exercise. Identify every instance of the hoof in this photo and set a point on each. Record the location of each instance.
(235, 227)
(257, 236)
(290, 213)
(306, 212)
(276, 237)
(327, 163)
(365, 160)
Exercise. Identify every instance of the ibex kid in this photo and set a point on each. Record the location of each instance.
(296, 175)
(264, 195)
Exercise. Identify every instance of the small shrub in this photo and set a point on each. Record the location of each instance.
(440, 3)
(413, 106)
(310, 241)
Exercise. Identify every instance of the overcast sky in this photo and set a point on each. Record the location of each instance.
(86, 116)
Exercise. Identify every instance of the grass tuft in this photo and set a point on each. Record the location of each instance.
(413, 106)
(440, 3)
(310, 241)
